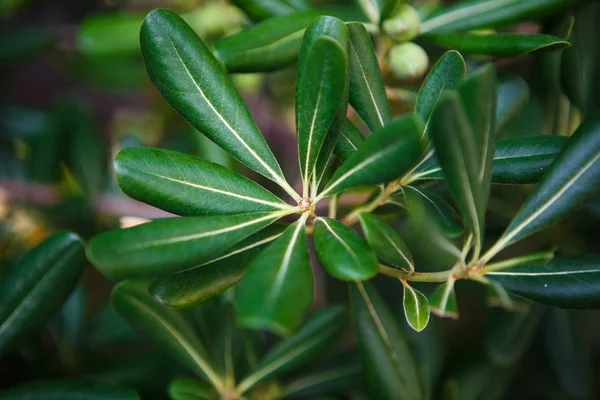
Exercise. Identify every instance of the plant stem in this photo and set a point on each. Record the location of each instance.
(441, 276)
(513, 262)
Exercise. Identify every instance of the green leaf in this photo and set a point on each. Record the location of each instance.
(190, 389)
(386, 242)
(464, 16)
(416, 307)
(388, 361)
(278, 287)
(442, 301)
(263, 9)
(167, 327)
(367, 92)
(342, 252)
(320, 333)
(187, 185)
(349, 141)
(68, 390)
(321, 91)
(513, 95)
(572, 177)
(37, 286)
(384, 156)
(376, 10)
(566, 281)
(267, 46)
(499, 44)
(196, 86)
(199, 284)
(172, 244)
(447, 73)
(96, 35)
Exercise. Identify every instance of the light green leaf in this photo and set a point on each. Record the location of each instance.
(278, 287)
(187, 185)
(342, 252)
(349, 141)
(196, 86)
(96, 35)
(263, 9)
(68, 390)
(513, 95)
(172, 244)
(386, 242)
(376, 10)
(442, 301)
(416, 307)
(190, 389)
(367, 92)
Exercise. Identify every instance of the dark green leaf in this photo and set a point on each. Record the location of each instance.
(349, 141)
(68, 390)
(187, 185)
(367, 92)
(190, 389)
(513, 94)
(442, 301)
(388, 362)
(263, 9)
(386, 242)
(342, 252)
(37, 286)
(196, 285)
(416, 307)
(278, 287)
(171, 245)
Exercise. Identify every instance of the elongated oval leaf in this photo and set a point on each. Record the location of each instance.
(321, 89)
(447, 73)
(342, 252)
(367, 92)
(320, 332)
(68, 390)
(196, 86)
(167, 327)
(442, 301)
(499, 44)
(278, 288)
(566, 281)
(349, 141)
(416, 308)
(386, 242)
(385, 155)
(37, 286)
(262, 9)
(187, 185)
(513, 94)
(388, 361)
(171, 245)
(267, 46)
(196, 285)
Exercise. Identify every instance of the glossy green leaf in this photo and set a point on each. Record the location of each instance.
(196, 86)
(447, 73)
(442, 301)
(367, 92)
(349, 141)
(187, 185)
(196, 285)
(513, 95)
(386, 242)
(68, 390)
(342, 252)
(416, 307)
(499, 44)
(388, 361)
(167, 327)
(278, 287)
(37, 286)
(263, 9)
(320, 332)
(267, 46)
(321, 91)
(109, 35)
(566, 281)
(384, 156)
(464, 16)
(190, 389)
(172, 244)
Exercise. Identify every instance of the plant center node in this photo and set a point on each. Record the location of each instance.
(305, 203)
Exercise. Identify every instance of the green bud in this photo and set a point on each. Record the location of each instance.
(404, 23)
(408, 61)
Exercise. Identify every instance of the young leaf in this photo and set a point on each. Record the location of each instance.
(499, 44)
(320, 332)
(167, 327)
(416, 307)
(196, 86)
(68, 390)
(37, 286)
(376, 10)
(172, 244)
(388, 361)
(267, 46)
(349, 141)
(190, 389)
(385, 155)
(513, 95)
(278, 288)
(442, 301)
(321, 90)
(566, 281)
(367, 92)
(447, 73)
(263, 9)
(194, 286)
(187, 185)
(386, 242)
(342, 252)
